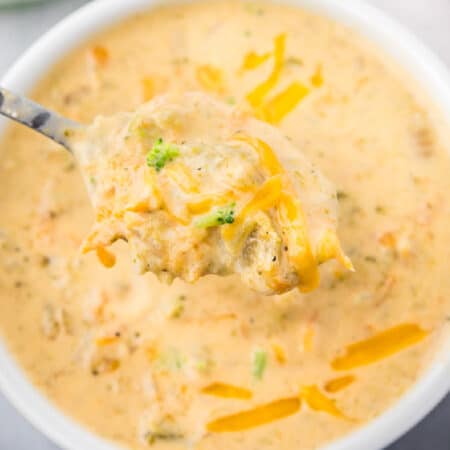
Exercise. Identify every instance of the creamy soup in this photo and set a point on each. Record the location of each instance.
(214, 365)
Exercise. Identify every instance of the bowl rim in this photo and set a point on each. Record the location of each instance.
(385, 33)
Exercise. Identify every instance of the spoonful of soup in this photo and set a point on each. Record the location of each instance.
(197, 187)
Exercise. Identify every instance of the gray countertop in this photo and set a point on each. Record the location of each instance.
(429, 19)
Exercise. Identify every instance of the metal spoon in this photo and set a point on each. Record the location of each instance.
(36, 117)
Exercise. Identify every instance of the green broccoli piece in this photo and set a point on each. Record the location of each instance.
(161, 153)
(259, 363)
(219, 216)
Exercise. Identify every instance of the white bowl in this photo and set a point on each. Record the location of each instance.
(395, 41)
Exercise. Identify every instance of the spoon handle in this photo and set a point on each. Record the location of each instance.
(35, 116)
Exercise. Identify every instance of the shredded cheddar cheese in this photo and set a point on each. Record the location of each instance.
(148, 88)
(275, 109)
(298, 246)
(308, 339)
(106, 258)
(266, 154)
(258, 94)
(318, 401)
(210, 78)
(255, 417)
(253, 60)
(317, 77)
(338, 384)
(100, 55)
(227, 391)
(379, 346)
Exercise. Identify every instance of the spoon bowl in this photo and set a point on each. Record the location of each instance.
(37, 117)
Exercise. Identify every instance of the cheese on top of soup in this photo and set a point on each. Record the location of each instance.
(215, 364)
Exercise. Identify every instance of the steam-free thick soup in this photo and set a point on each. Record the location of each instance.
(214, 365)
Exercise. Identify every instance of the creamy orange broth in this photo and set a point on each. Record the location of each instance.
(213, 364)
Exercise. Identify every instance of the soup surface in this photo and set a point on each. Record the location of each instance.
(214, 365)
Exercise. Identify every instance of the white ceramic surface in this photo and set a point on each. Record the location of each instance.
(396, 41)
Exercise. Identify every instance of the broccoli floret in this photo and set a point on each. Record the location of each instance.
(161, 153)
(219, 216)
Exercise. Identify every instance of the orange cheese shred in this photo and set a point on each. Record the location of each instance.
(298, 246)
(308, 339)
(100, 55)
(318, 401)
(329, 247)
(257, 95)
(338, 384)
(182, 176)
(227, 391)
(275, 109)
(256, 417)
(148, 89)
(201, 204)
(268, 158)
(107, 258)
(317, 77)
(253, 60)
(210, 78)
(379, 346)
(266, 197)
(106, 340)
(279, 352)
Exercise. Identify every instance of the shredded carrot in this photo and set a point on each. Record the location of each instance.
(227, 391)
(107, 258)
(318, 401)
(379, 346)
(337, 384)
(255, 417)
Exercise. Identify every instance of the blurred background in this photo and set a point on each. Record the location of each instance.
(23, 21)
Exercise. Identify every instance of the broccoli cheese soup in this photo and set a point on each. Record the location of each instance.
(214, 364)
